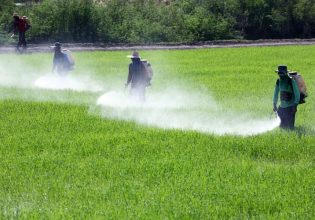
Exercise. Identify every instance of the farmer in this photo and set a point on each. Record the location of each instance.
(20, 25)
(15, 24)
(289, 98)
(15, 28)
(137, 77)
(61, 63)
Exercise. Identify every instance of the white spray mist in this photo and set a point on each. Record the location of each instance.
(17, 73)
(180, 109)
(68, 82)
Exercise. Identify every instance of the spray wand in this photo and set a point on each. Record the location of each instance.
(274, 112)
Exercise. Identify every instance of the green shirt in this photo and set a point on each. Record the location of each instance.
(286, 85)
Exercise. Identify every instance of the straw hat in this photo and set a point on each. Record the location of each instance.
(134, 55)
(57, 45)
(282, 69)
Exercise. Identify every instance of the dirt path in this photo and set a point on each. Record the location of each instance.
(113, 47)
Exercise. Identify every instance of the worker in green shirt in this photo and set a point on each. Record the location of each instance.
(289, 98)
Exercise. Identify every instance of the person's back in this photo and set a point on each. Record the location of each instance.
(59, 59)
(136, 70)
(22, 25)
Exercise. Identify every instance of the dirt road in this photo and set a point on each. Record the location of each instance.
(113, 47)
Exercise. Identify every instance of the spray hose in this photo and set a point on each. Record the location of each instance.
(273, 113)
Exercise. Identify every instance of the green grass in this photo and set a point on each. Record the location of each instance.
(59, 159)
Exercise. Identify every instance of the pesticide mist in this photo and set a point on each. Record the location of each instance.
(34, 81)
(16, 73)
(174, 108)
(55, 82)
(179, 109)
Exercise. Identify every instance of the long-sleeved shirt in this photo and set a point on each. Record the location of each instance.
(136, 75)
(287, 85)
(59, 62)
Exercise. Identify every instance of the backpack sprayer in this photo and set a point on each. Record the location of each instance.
(301, 85)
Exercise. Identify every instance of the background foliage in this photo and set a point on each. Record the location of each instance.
(151, 21)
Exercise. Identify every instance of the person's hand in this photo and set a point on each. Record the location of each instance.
(275, 109)
(294, 109)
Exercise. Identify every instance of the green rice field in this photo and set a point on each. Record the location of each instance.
(191, 156)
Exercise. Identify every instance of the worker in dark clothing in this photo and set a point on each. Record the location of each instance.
(20, 26)
(289, 98)
(60, 63)
(15, 25)
(15, 29)
(137, 77)
(22, 30)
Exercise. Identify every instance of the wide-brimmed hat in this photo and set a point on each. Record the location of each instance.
(282, 69)
(134, 55)
(57, 45)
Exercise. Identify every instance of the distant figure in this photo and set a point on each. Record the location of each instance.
(63, 61)
(20, 25)
(138, 77)
(289, 98)
(15, 24)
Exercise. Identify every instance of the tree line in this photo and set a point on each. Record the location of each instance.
(153, 21)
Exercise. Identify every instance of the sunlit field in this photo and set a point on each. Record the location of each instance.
(205, 144)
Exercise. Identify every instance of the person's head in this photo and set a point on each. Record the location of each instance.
(15, 16)
(282, 71)
(57, 47)
(24, 17)
(135, 56)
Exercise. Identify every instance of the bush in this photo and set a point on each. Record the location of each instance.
(151, 21)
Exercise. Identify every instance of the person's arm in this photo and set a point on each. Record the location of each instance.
(13, 29)
(129, 76)
(296, 92)
(276, 96)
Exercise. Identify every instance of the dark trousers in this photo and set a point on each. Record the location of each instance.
(22, 41)
(287, 117)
